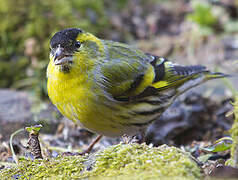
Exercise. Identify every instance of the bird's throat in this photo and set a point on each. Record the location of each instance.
(65, 68)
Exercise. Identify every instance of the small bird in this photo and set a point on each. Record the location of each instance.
(111, 88)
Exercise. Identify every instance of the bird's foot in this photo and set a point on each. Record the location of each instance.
(129, 139)
(139, 138)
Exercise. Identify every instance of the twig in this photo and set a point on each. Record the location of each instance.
(15, 158)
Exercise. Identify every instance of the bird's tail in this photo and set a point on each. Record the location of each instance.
(215, 75)
(199, 78)
(175, 76)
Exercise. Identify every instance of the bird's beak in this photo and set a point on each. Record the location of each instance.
(60, 57)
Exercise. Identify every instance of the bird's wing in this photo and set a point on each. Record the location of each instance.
(126, 71)
(123, 79)
(169, 75)
(129, 73)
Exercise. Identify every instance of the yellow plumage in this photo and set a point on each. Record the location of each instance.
(111, 88)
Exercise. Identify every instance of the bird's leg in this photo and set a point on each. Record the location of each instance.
(88, 150)
(90, 147)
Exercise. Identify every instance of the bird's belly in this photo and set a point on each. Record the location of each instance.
(98, 114)
(112, 121)
(81, 105)
(98, 118)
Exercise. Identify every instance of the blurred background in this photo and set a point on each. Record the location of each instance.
(188, 32)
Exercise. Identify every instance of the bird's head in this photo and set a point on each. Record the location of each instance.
(74, 47)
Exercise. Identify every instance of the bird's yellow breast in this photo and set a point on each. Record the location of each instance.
(73, 95)
(68, 92)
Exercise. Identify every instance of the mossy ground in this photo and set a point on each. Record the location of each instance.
(120, 161)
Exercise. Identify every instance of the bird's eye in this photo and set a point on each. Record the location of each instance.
(77, 44)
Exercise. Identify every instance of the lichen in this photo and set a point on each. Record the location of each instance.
(122, 161)
(26, 30)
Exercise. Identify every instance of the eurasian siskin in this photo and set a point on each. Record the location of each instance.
(111, 88)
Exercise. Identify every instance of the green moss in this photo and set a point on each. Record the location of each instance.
(121, 161)
(204, 17)
(130, 160)
(12, 71)
(59, 167)
(202, 14)
(36, 21)
(233, 161)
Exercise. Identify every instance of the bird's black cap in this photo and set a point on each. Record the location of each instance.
(65, 37)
